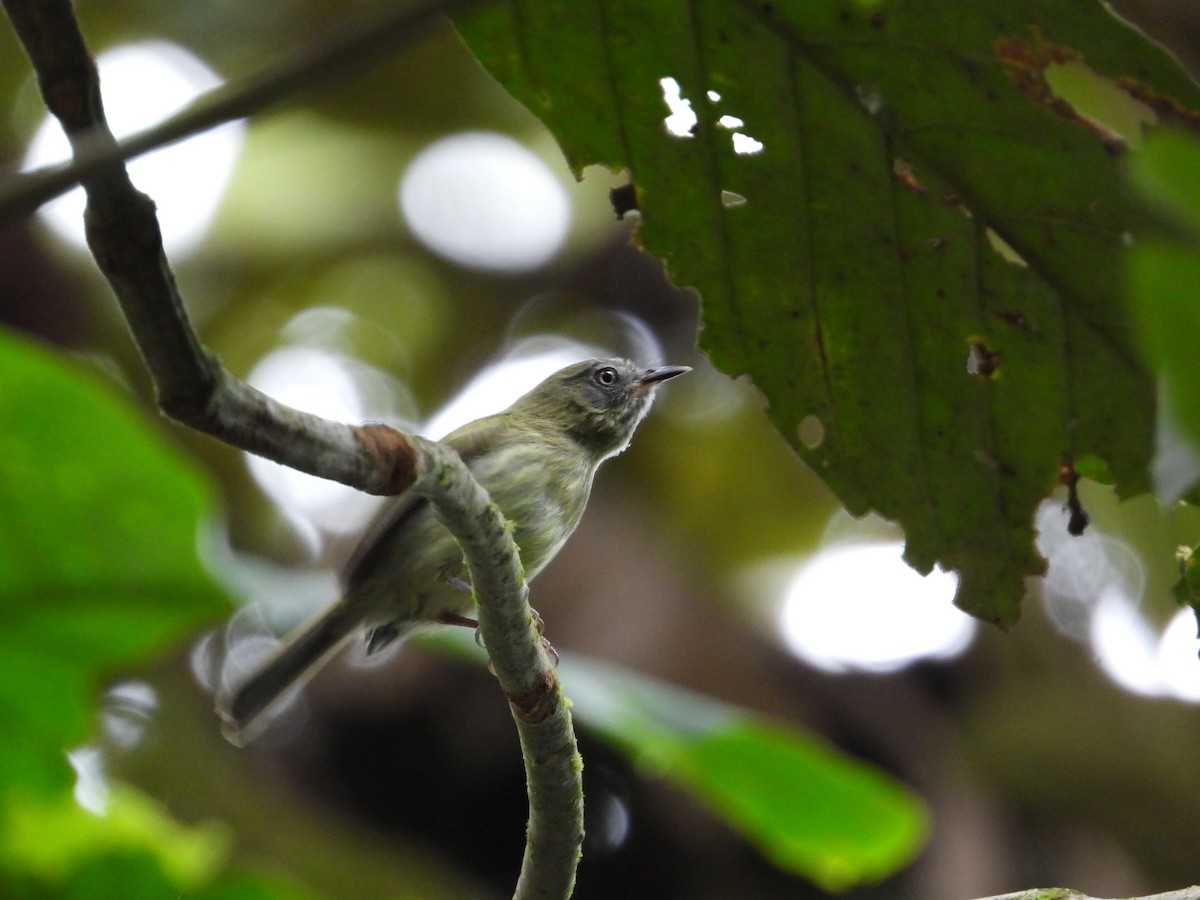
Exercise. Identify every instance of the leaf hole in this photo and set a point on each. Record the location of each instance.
(744, 145)
(682, 119)
(1114, 114)
(982, 361)
(730, 200)
(1057, 78)
(1004, 249)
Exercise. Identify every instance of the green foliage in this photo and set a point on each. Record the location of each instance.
(98, 562)
(51, 839)
(1164, 276)
(99, 571)
(808, 808)
(924, 202)
(1164, 272)
(811, 810)
(136, 875)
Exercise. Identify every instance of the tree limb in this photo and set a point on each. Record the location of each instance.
(553, 767)
(194, 388)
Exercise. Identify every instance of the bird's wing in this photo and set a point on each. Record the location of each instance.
(469, 441)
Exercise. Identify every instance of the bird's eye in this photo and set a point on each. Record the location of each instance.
(607, 376)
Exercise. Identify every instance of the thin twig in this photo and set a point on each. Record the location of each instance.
(355, 45)
(194, 388)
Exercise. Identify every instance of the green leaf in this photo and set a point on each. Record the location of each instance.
(98, 555)
(1164, 274)
(52, 839)
(809, 809)
(912, 151)
(136, 875)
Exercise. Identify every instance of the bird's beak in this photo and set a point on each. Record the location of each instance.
(651, 377)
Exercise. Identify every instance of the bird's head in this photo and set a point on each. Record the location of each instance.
(599, 402)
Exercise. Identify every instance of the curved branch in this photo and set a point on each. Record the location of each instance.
(553, 767)
(195, 389)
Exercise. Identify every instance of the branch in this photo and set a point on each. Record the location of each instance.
(195, 389)
(553, 767)
(1189, 893)
(352, 47)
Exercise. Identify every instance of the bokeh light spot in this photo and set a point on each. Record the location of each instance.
(144, 84)
(484, 201)
(1093, 593)
(861, 607)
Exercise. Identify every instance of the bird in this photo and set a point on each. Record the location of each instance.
(536, 459)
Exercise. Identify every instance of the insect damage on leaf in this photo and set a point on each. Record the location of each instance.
(1167, 108)
(1115, 110)
(904, 172)
(982, 361)
(1028, 64)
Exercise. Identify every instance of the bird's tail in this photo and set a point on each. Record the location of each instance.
(298, 657)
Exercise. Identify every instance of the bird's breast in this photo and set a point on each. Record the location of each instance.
(542, 491)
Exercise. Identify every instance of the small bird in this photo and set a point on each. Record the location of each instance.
(536, 459)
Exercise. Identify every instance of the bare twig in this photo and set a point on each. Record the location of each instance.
(194, 388)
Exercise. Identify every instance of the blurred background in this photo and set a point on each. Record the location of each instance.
(407, 245)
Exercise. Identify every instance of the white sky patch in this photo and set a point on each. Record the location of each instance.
(744, 145)
(1125, 645)
(714, 96)
(730, 122)
(682, 119)
(485, 201)
(144, 84)
(860, 607)
(1177, 663)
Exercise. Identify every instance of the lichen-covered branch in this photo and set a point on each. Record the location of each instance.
(1188, 893)
(553, 767)
(194, 388)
